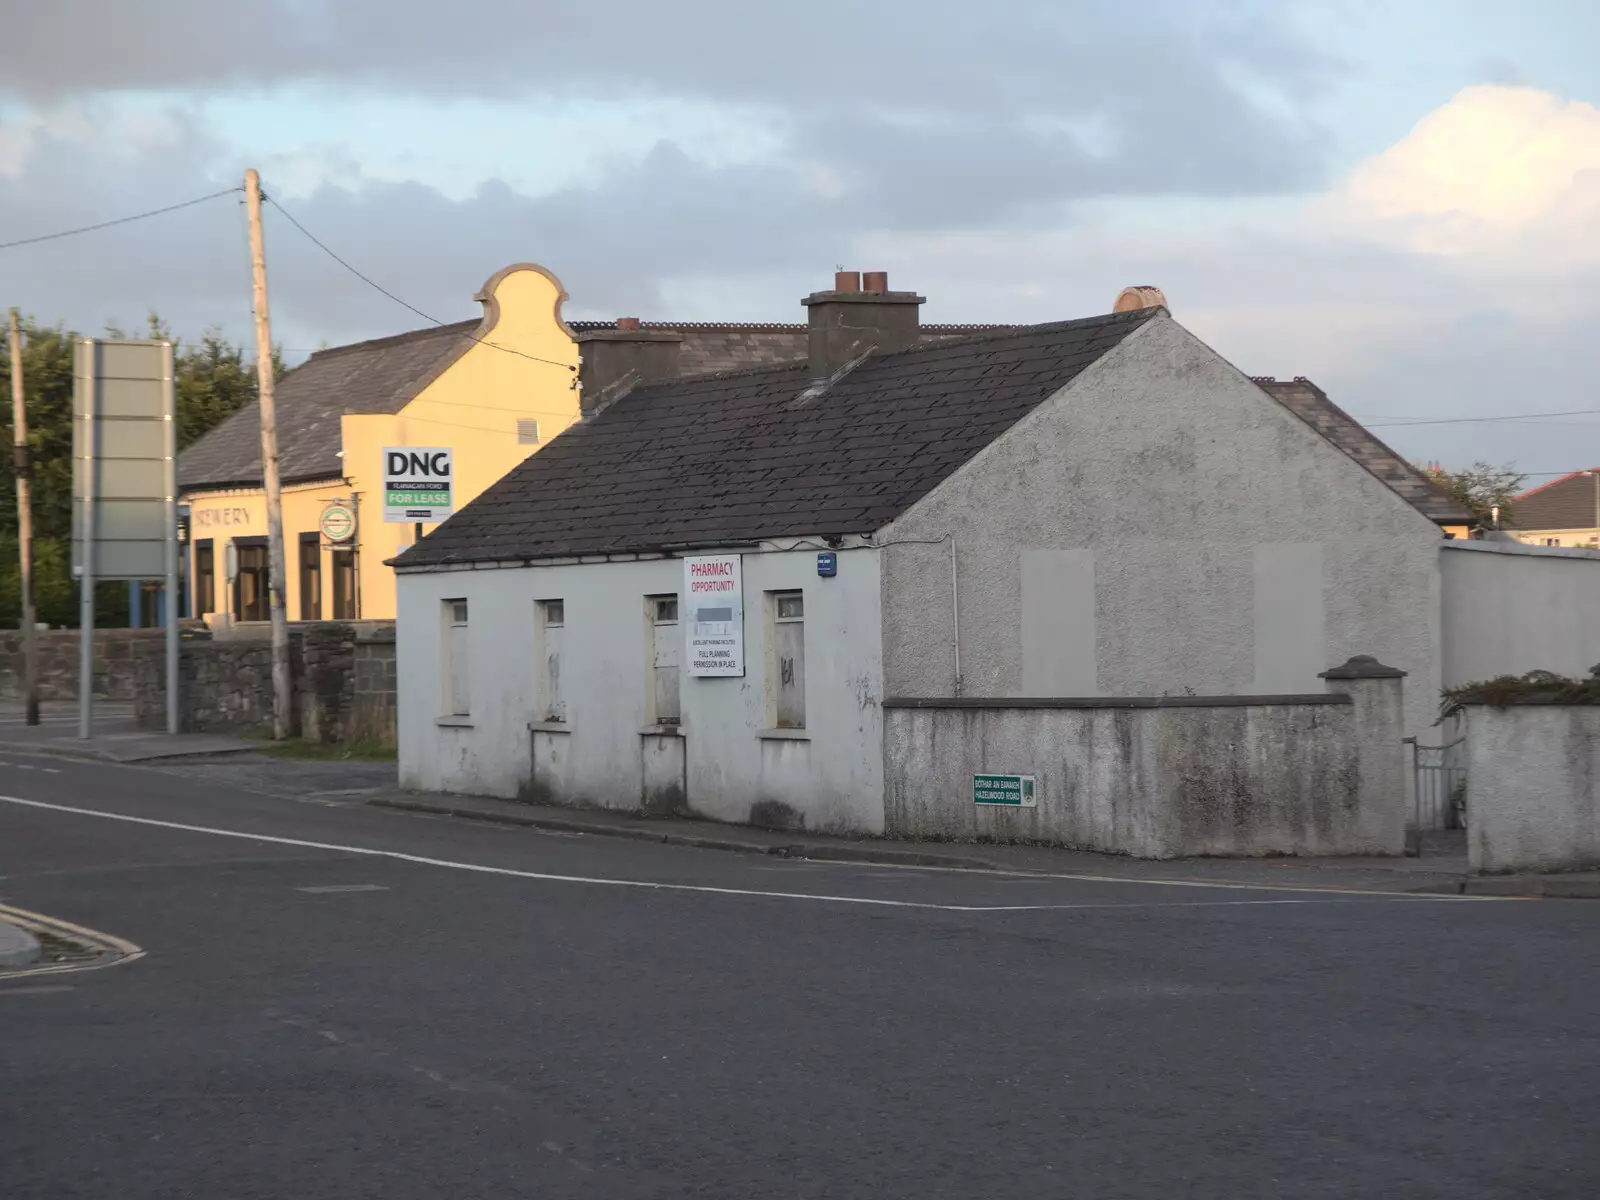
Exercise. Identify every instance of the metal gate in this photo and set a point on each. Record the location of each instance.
(1441, 784)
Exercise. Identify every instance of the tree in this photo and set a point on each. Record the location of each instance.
(1481, 488)
(212, 381)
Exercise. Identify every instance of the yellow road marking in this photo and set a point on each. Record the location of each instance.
(37, 923)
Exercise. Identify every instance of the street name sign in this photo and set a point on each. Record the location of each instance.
(1009, 791)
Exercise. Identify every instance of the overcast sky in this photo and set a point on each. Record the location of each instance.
(1398, 199)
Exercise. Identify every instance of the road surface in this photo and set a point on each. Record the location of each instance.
(338, 1001)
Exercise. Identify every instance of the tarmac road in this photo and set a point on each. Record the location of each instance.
(340, 1001)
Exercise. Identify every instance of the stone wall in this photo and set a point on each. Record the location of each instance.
(373, 712)
(225, 686)
(1533, 790)
(343, 682)
(1166, 777)
(115, 651)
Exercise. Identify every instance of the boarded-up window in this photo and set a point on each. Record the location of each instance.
(666, 652)
(205, 577)
(310, 577)
(345, 607)
(527, 431)
(456, 676)
(550, 633)
(789, 658)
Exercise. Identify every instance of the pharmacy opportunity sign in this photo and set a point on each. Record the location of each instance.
(714, 586)
(417, 483)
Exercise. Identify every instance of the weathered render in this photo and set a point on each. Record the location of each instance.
(727, 761)
(1162, 777)
(1534, 772)
(1507, 609)
(1159, 526)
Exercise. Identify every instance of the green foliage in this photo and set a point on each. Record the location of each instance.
(1536, 687)
(213, 380)
(1480, 488)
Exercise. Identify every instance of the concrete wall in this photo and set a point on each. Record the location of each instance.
(1169, 777)
(1160, 526)
(115, 651)
(1509, 609)
(826, 777)
(1533, 795)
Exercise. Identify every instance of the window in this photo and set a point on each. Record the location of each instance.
(527, 432)
(789, 658)
(311, 577)
(455, 674)
(205, 578)
(666, 652)
(549, 642)
(345, 605)
(250, 601)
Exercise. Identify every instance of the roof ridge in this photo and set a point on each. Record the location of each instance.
(396, 339)
(1553, 482)
(775, 326)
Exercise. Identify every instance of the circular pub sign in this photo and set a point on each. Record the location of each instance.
(338, 522)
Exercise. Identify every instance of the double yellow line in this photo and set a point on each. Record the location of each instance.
(114, 950)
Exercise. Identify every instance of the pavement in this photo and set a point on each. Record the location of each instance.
(343, 1000)
(1442, 868)
(115, 736)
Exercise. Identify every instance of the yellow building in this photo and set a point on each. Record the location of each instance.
(492, 390)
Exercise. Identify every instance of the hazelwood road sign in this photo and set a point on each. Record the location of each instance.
(1016, 791)
(417, 483)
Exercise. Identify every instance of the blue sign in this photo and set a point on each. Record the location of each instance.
(827, 564)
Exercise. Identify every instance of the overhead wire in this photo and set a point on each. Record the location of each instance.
(370, 282)
(154, 212)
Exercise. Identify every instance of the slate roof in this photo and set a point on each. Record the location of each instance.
(1566, 503)
(379, 376)
(739, 457)
(713, 346)
(1311, 404)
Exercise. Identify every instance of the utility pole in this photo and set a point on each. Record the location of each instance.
(19, 442)
(282, 697)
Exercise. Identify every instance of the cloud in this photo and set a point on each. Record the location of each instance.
(1499, 171)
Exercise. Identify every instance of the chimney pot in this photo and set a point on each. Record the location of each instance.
(875, 281)
(847, 323)
(631, 324)
(847, 281)
(1132, 299)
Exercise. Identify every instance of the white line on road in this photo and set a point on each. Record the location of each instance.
(651, 885)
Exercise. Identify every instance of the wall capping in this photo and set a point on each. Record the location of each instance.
(1002, 702)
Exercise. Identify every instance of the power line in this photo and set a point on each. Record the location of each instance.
(318, 242)
(154, 212)
(1477, 420)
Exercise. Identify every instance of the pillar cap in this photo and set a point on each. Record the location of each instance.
(1362, 666)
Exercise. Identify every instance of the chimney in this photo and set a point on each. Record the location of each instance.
(1132, 299)
(851, 320)
(615, 361)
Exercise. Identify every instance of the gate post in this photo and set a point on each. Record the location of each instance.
(1377, 698)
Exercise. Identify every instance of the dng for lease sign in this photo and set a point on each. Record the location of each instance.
(417, 483)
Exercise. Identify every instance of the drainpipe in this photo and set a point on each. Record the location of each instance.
(955, 614)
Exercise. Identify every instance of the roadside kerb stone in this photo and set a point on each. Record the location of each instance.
(18, 947)
(1551, 887)
(644, 832)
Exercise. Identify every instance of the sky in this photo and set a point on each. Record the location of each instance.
(1398, 199)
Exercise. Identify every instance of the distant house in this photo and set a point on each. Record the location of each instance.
(699, 597)
(1563, 512)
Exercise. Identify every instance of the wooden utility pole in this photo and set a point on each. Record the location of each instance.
(282, 696)
(19, 442)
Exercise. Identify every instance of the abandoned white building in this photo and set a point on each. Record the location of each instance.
(714, 594)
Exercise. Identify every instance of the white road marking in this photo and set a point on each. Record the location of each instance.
(329, 888)
(650, 885)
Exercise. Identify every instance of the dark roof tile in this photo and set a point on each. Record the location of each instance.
(730, 458)
(1311, 404)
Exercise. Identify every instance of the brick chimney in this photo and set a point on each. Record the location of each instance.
(853, 319)
(615, 361)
